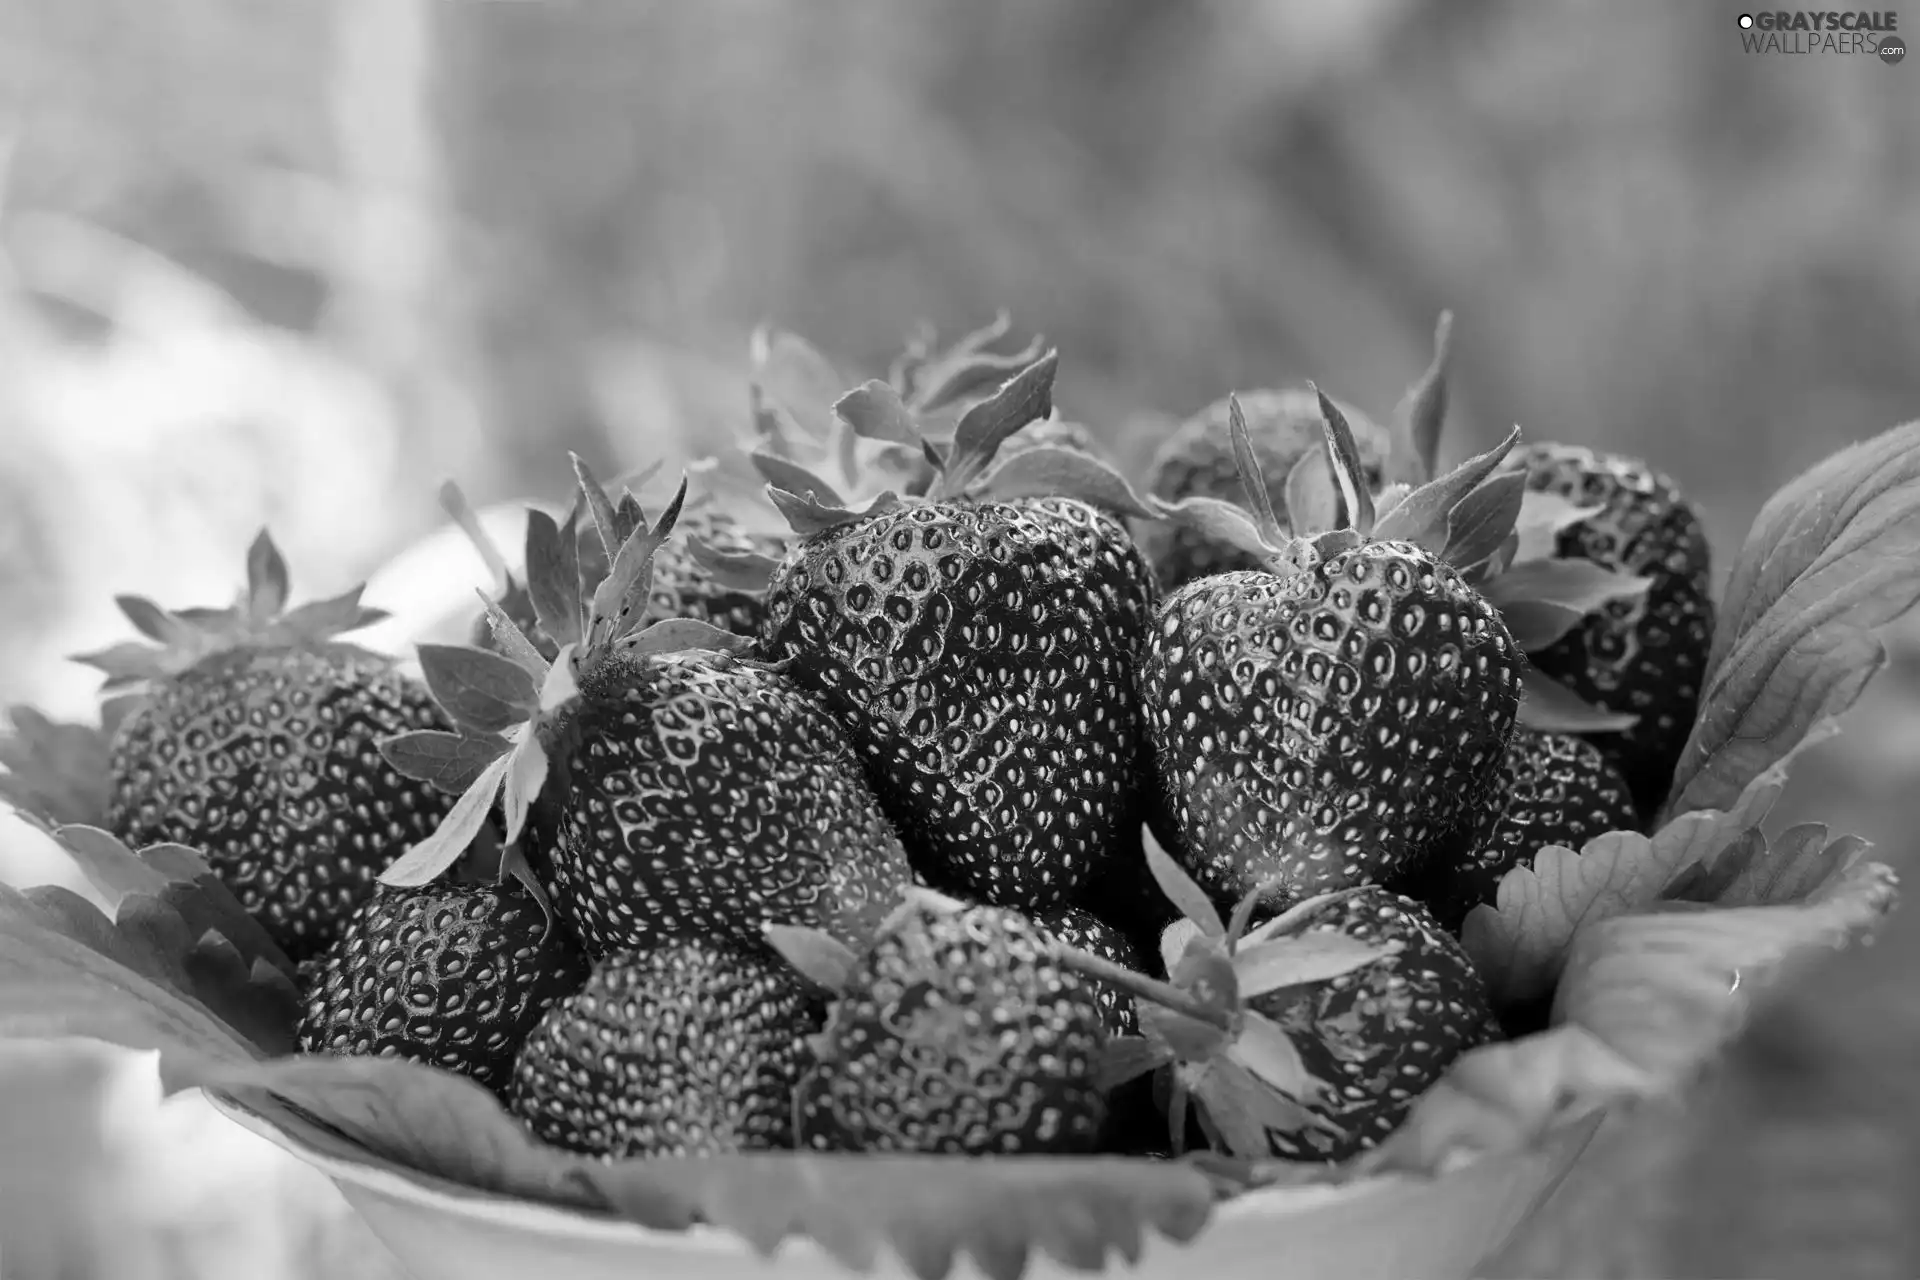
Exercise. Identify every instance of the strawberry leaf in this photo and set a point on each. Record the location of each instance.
(735, 570)
(606, 522)
(481, 691)
(267, 582)
(1239, 1108)
(1666, 987)
(1422, 516)
(1344, 454)
(1313, 499)
(1483, 520)
(1026, 396)
(1520, 943)
(1219, 520)
(1544, 599)
(553, 578)
(874, 411)
(1551, 707)
(428, 860)
(1757, 872)
(792, 372)
(526, 776)
(620, 601)
(56, 772)
(149, 619)
(816, 955)
(323, 619)
(1187, 1038)
(807, 515)
(1831, 556)
(444, 760)
(1544, 516)
(792, 478)
(131, 663)
(1269, 1053)
(1301, 959)
(1422, 414)
(672, 635)
(1187, 897)
(512, 640)
(454, 502)
(1045, 470)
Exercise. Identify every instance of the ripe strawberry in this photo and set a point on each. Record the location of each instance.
(1307, 1036)
(1381, 1034)
(690, 1048)
(255, 743)
(1554, 788)
(1646, 655)
(1197, 461)
(452, 974)
(979, 649)
(670, 787)
(1332, 720)
(954, 1032)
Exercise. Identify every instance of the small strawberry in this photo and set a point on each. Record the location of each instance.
(666, 785)
(954, 1032)
(689, 1048)
(255, 743)
(1331, 720)
(979, 644)
(450, 974)
(1554, 789)
(1072, 927)
(1197, 461)
(1308, 1036)
(1645, 655)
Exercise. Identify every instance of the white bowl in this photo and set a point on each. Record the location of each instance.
(1390, 1228)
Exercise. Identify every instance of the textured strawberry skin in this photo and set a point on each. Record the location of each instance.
(266, 761)
(690, 1048)
(453, 975)
(1553, 788)
(982, 656)
(1196, 460)
(1328, 727)
(1380, 1035)
(700, 796)
(1645, 657)
(958, 1034)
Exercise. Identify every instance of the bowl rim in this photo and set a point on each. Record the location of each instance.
(425, 1190)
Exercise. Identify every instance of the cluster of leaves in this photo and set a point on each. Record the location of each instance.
(1652, 947)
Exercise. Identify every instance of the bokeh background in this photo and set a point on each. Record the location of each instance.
(293, 262)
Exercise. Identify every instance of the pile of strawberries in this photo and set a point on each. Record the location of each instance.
(1001, 808)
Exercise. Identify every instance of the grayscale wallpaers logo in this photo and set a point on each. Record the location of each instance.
(1846, 33)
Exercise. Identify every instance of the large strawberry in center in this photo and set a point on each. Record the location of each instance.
(979, 643)
(1337, 717)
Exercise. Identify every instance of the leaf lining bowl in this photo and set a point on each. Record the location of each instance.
(1380, 1228)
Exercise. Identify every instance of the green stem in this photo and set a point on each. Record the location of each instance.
(1143, 987)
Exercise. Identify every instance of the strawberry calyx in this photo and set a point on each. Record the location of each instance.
(1240, 1068)
(259, 618)
(502, 703)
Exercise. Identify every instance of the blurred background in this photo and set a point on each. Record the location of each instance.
(293, 262)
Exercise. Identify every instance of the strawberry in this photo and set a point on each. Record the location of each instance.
(657, 782)
(1307, 1036)
(1197, 460)
(979, 644)
(689, 1048)
(1334, 719)
(450, 974)
(1072, 927)
(255, 743)
(1645, 655)
(954, 1032)
(1554, 789)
